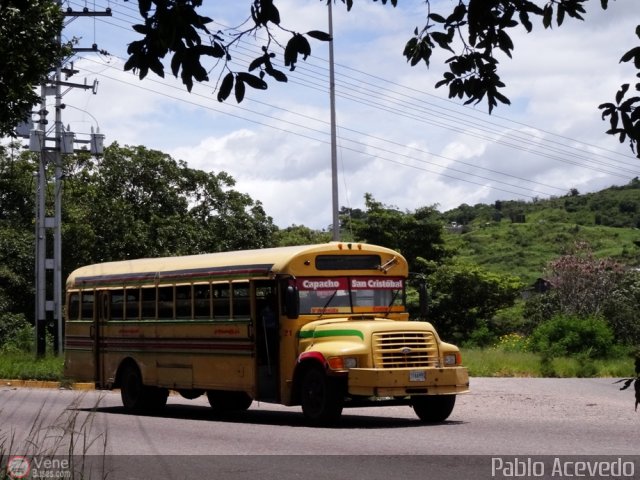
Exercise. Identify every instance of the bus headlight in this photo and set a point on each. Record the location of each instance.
(451, 359)
(350, 362)
(342, 363)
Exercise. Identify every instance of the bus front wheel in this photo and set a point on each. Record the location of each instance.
(136, 396)
(321, 397)
(433, 409)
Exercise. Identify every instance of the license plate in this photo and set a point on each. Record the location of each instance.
(417, 376)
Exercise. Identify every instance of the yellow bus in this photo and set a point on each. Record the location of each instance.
(320, 326)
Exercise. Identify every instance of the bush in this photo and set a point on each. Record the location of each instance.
(480, 337)
(573, 335)
(513, 342)
(16, 333)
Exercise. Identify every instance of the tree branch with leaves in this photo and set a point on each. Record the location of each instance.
(475, 32)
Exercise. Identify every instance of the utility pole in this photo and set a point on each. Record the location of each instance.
(334, 148)
(48, 270)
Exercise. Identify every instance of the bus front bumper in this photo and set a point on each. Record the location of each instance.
(400, 382)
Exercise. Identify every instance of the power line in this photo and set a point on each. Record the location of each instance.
(406, 105)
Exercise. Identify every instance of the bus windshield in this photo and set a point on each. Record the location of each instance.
(328, 295)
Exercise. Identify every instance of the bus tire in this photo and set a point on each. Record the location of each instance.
(225, 401)
(137, 397)
(433, 408)
(321, 397)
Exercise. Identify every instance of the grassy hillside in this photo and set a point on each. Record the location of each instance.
(521, 237)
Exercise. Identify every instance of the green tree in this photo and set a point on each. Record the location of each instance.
(16, 239)
(300, 235)
(417, 235)
(582, 283)
(138, 202)
(28, 51)
(588, 287)
(464, 297)
(134, 202)
(476, 32)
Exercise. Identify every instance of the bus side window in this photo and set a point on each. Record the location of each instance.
(241, 307)
(133, 303)
(73, 306)
(117, 304)
(202, 301)
(165, 302)
(221, 301)
(149, 303)
(183, 301)
(87, 305)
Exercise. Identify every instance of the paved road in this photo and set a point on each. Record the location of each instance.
(514, 419)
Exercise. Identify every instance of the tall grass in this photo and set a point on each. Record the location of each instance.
(498, 363)
(488, 362)
(25, 366)
(68, 447)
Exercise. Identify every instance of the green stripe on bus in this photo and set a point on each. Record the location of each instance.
(332, 333)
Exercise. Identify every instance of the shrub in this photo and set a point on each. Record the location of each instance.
(572, 335)
(480, 337)
(513, 342)
(16, 333)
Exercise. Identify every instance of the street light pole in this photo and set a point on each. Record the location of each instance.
(334, 149)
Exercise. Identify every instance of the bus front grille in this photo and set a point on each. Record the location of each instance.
(404, 349)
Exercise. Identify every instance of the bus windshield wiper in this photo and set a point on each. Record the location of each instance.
(385, 267)
(393, 299)
(328, 302)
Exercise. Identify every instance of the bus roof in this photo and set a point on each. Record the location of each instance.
(226, 265)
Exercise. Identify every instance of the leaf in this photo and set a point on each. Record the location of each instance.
(304, 48)
(318, 35)
(156, 67)
(547, 16)
(504, 42)
(216, 50)
(621, 93)
(187, 79)
(458, 14)
(144, 6)
(272, 15)
(131, 63)
(633, 53)
(628, 103)
(627, 383)
(256, 63)
(142, 29)
(277, 74)
(176, 61)
(560, 14)
(252, 81)
(604, 4)
(524, 19)
(442, 39)
(239, 90)
(291, 53)
(437, 18)
(225, 87)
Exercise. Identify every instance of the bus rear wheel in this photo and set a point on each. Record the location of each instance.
(434, 408)
(225, 401)
(136, 396)
(321, 397)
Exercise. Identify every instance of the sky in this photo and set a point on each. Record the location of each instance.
(399, 138)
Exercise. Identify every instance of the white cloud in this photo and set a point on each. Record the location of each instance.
(400, 139)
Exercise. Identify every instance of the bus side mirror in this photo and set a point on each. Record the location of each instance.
(423, 299)
(292, 302)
